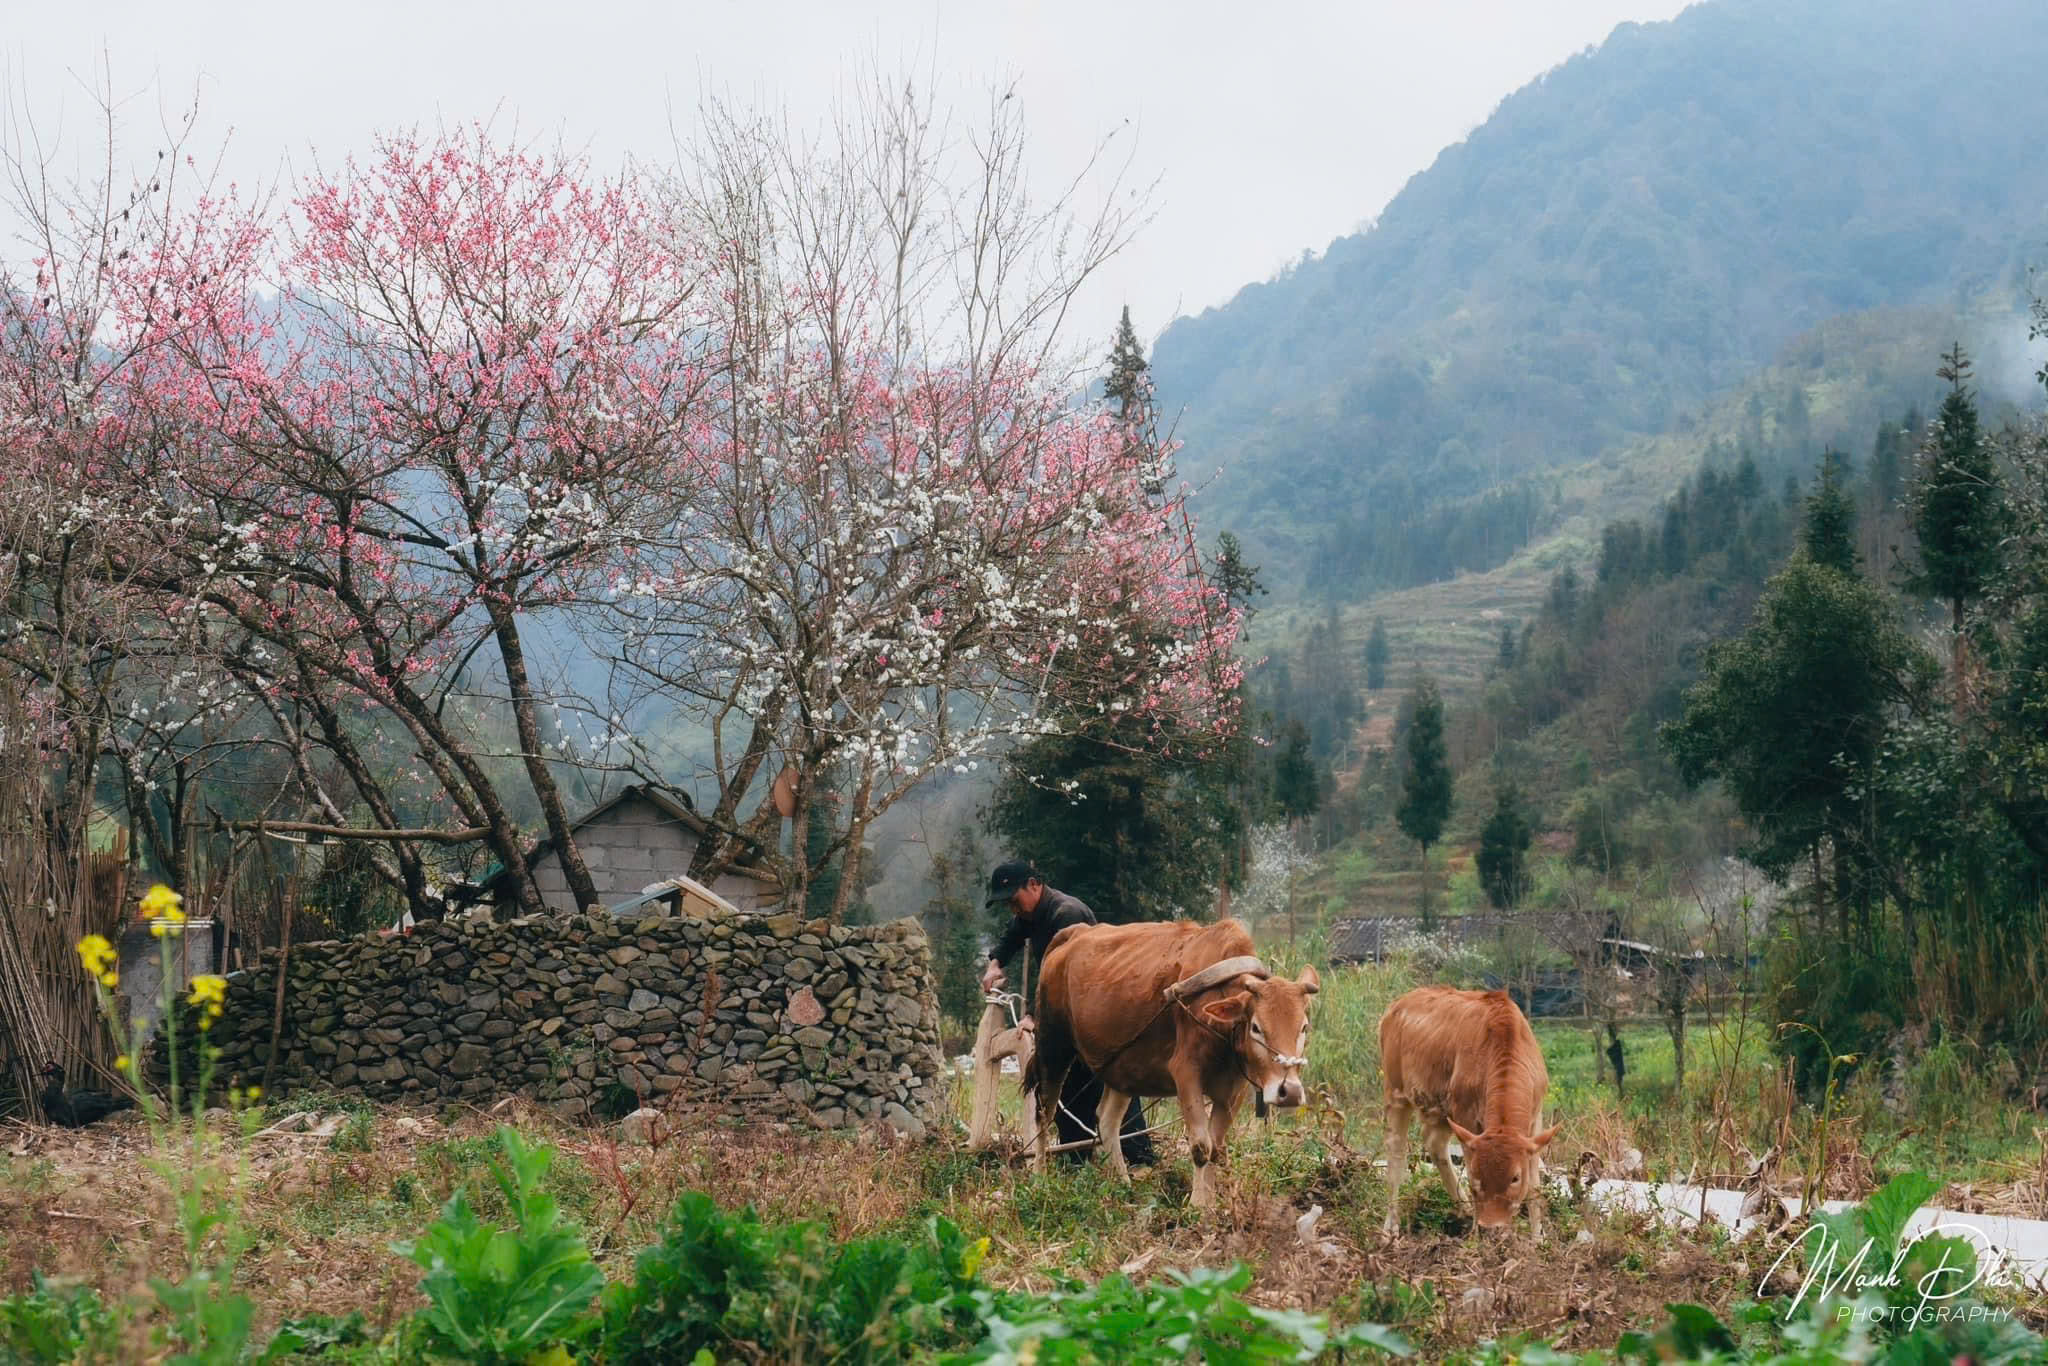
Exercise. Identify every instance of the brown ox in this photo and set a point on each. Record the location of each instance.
(1467, 1061)
(1102, 997)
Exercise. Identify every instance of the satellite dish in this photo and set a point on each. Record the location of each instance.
(783, 794)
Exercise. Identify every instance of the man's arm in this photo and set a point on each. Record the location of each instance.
(1014, 935)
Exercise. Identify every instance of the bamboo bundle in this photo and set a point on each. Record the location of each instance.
(53, 892)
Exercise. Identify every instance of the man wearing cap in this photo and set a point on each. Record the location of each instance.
(1037, 913)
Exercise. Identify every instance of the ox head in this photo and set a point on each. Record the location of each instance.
(1502, 1169)
(1266, 1019)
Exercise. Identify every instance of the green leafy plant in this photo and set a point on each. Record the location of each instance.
(732, 1284)
(1196, 1315)
(314, 1337)
(504, 1296)
(51, 1323)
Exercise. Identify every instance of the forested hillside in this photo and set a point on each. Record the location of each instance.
(1627, 237)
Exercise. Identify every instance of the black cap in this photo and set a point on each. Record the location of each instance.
(1007, 878)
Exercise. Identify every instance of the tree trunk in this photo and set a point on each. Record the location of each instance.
(799, 885)
(407, 868)
(524, 715)
(856, 830)
(721, 849)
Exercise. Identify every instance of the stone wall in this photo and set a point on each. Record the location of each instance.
(766, 1014)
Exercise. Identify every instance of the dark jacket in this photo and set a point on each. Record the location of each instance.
(1054, 912)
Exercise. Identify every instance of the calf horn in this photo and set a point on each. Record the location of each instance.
(1217, 973)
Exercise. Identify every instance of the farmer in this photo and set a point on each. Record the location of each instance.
(1037, 913)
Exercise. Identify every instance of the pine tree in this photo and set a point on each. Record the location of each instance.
(1127, 387)
(1887, 462)
(1507, 648)
(1502, 860)
(1376, 656)
(1749, 483)
(1295, 789)
(1675, 548)
(1237, 581)
(1959, 505)
(1426, 790)
(1829, 535)
(1790, 714)
(955, 922)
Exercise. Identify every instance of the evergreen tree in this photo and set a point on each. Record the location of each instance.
(1959, 505)
(1887, 462)
(957, 925)
(1377, 652)
(1829, 535)
(1136, 824)
(1506, 656)
(1749, 482)
(1296, 790)
(1674, 549)
(1426, 790)
(1790, 714)
(1129, 392)
(1127, 388)
(1563, 602)
(1238, 582)
(1503, 857)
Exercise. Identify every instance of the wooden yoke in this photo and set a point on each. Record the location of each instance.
(995, 1040)
(1215, 973)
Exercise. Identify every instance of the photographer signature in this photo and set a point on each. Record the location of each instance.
(1953, 1273)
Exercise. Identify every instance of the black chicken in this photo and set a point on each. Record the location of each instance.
(76, 1109)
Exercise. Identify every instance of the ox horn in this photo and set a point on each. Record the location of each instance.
(1216, 974)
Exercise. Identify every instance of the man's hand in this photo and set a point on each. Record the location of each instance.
(992, 975)
(1027, 1024)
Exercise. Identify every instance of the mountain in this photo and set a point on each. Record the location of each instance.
(1626, 238)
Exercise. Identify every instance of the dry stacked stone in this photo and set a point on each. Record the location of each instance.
(770, 1015)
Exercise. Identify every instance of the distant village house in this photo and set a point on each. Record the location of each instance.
(639, 838)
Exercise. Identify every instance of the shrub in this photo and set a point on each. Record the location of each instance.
(503, 1297)
(737, 1287)
(1197, 1315)
(52, 1324)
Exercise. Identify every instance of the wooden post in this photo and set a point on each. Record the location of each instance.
(994, 1041)
(284, 961)
(981, 1124)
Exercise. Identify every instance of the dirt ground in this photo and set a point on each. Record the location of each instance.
(320, 1211)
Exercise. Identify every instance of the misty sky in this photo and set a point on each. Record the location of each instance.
(1267, 129)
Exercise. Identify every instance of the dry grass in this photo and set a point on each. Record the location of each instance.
(321, 1216)
(321, 1211)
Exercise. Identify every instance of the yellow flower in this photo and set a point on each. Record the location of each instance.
(121, 1063)
(110, 980)
(971, 1262)
(98, 955)
(255, 1093)
(164, 909)
(209, 992)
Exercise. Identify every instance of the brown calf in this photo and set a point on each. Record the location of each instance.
(1468, 1062)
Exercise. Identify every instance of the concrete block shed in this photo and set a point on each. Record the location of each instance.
(638, 838)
